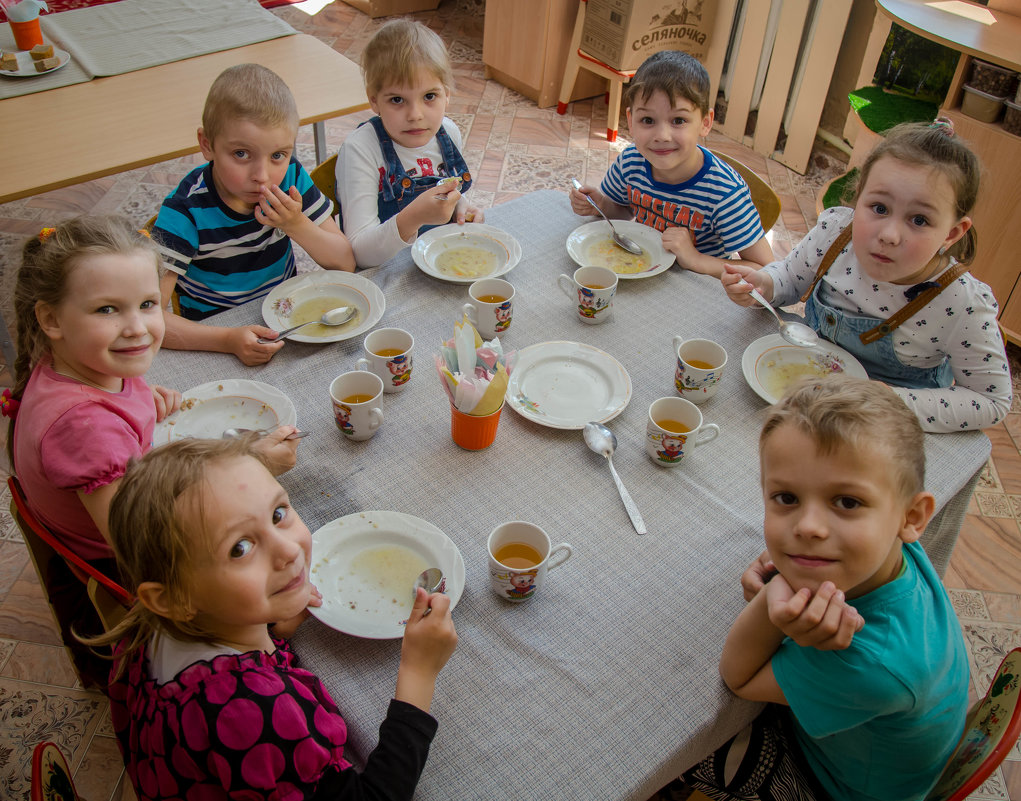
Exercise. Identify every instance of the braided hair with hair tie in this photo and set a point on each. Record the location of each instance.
(944, 125)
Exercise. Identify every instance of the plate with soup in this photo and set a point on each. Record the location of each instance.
(305, 298)
(592, 245)
(772, 365)
(211, 408)
(462, 254)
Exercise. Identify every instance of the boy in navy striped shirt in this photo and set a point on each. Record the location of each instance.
(667, 181)
(225, 233)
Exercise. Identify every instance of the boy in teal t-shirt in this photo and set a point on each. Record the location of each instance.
(848, 630)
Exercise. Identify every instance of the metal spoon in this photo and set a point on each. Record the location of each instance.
(601, 440)
(796, 333)
(337, 316)
(628, 244)
(432, 580)
(234, 433)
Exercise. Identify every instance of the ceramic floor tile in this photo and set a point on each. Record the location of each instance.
(43, 664)
(1006, 457)
(6, 649)
(99, 773)
(987, 553)
(1003, 606)
(969, 604)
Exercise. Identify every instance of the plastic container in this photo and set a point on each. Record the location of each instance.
(1012, 118)
(982, 106)
(992, 79)
(471, 432)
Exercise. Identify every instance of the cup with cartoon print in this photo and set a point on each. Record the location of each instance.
(490, 306)
(594, 289)
(674, 427)
(388, 355)
(355, 396)
(527, 556)
(700, 364)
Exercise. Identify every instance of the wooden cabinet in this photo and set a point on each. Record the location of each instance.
(991, 34)
(524, 47)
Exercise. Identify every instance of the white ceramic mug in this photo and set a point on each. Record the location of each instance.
(526, 575)
(675, 427)
(593, 288)
(357, 419)
(700, 364)
(490, 307)
(388, 355)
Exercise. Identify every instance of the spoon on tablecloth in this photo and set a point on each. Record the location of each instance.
(601, 440)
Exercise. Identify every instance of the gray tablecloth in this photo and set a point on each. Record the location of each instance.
(605, 686)
(135, 34)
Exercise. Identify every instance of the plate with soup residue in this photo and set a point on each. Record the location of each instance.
(771, 364)
(591, 245)
(306, 297)
(462, 254)
(365, 564)
(210, 409)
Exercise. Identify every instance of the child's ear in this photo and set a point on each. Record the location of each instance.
(46, 316)
(955, 233)
(156, 599)
(205, 145)
(707, 123)
(917, 515)
(373, 104)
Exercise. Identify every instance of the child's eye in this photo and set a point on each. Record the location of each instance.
(279, 514)
(396, 101)
(148, 304)
(646, 121)
(279, 156)
(919, 220)
(430, 96)
(879, 208)
(785, 498)
(678, 121)
(847, 503)
(105, 310)
(241, 548)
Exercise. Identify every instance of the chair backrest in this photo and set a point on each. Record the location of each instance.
(110, 610)
(765, 199)
(324, 176)
(51, 777)
(31, 526)
(990, 731)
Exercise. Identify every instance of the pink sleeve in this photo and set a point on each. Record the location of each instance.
(88, 447)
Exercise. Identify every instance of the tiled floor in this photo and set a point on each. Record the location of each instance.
(512, 148)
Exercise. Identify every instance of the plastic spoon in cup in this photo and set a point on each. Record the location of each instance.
(628, 244)
(431, 579)
(333, 317)
(796, 333)
(601, 440)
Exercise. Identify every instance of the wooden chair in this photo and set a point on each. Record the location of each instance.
(579, 59)
(990, 731)
(51, 776)
(324, 176)
(57, 566)
(763, 196)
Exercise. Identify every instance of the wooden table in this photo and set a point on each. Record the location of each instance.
(76, 133)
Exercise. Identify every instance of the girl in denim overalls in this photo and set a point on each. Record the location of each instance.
(892, 289)
(403, 172)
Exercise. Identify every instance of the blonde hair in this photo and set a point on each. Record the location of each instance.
(934, 144)
(155, 539)
(399, 50)
(249, 92)
(839, 411)
(47, 261)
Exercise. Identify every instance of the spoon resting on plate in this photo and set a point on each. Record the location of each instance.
(622, 241)
(796, 333)
(333, 317)
(234, 433)
(602, 441)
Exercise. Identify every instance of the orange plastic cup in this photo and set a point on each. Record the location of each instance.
(473, 432)
(27, 34)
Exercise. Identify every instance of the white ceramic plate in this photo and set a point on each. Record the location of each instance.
(567, 384)
(771, 364)
(500, 252)
(26, 64)
(328, 289)
(365, 564)
(209, 409)
(590, 244)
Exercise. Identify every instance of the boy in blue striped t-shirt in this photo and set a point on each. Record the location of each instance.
(667, 181)
(225, 233)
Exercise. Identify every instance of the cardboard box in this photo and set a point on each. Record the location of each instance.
(387, 8)
(623, 33)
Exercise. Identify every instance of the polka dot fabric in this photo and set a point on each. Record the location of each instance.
(254, 725)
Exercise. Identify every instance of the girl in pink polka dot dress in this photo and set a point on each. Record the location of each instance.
(208, 701)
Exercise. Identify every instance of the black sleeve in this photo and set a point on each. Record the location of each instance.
(395, 764)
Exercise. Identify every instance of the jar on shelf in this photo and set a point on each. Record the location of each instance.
(983, 106)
